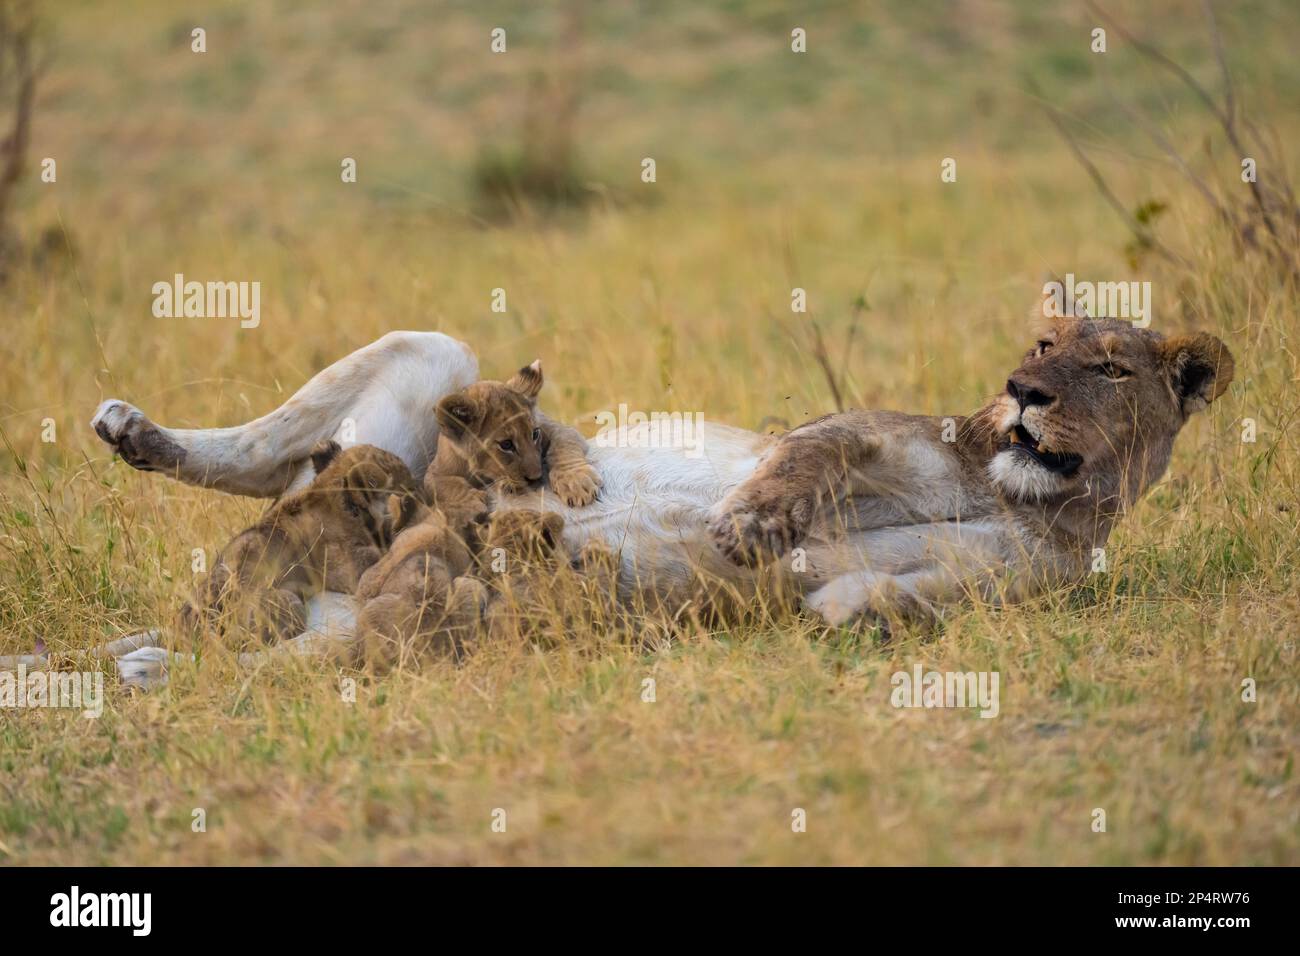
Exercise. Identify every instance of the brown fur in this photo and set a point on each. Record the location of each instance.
(534, 579)
(492, 434)
(417, 598)
(320, 538)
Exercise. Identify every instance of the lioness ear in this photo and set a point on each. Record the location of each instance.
(324, 452)
(527, 381)
(458, 412)
(1200, 369)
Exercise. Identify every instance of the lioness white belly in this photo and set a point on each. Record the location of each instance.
(654, 503)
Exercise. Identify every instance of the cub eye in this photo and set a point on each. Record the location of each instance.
(1112, 371)
(1041, 346)
(506, 445)
(537, 435)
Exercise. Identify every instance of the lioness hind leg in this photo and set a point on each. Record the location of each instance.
(386, 384)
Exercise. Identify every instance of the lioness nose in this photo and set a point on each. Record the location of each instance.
(1026, 395)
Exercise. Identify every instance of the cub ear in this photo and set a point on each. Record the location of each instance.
(1200, 369)
(367, 477)
(552, 527)
(324, 452)
(458, 412)
(402, 510)
(527, 381)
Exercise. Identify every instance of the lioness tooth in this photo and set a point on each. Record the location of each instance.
(1013, 438)
(1040, 449)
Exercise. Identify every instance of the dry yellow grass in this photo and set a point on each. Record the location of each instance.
(823, 175)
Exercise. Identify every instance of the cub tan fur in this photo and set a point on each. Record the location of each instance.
(321, 538)
(534, 580)
(417, 598)
(491, 433)
(491, 437)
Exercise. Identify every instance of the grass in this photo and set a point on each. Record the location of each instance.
(774, 171)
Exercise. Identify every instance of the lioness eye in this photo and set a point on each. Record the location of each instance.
(506, 445)
(1043, 345)
(1110, 370)
(537, 434)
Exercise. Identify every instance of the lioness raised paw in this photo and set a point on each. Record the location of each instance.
(746, 531)
(576, 485)
(138, 441)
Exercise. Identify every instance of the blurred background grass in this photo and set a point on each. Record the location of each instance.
(774, 170)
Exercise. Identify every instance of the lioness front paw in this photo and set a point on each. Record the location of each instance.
(577, 485)
(138, 441)
(745, 531)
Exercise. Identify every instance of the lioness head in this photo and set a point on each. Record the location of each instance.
(494, 427)
(1094, 407)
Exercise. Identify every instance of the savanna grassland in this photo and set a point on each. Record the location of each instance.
(775, 170)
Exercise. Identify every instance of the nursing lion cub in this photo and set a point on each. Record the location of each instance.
(536, 582)
(419, 597)
(492, 439)
(321, 538)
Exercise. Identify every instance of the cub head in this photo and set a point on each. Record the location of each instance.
(360, 480)
(406, 511)
(464, 507)
(1094, 407)
(529, 537)
(493, 425)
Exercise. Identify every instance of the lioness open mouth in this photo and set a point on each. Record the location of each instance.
(1061, 463)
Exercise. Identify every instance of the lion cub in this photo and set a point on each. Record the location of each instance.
(320, 538)
(536, 580)
(418, 597)
(492, 434)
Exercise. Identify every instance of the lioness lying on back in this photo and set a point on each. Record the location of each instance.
(321, 538)
(892, 514)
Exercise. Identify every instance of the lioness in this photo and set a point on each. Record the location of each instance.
(891, 518)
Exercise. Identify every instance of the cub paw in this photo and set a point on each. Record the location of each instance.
(746, 532)
(576, 485)
(138, 441)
